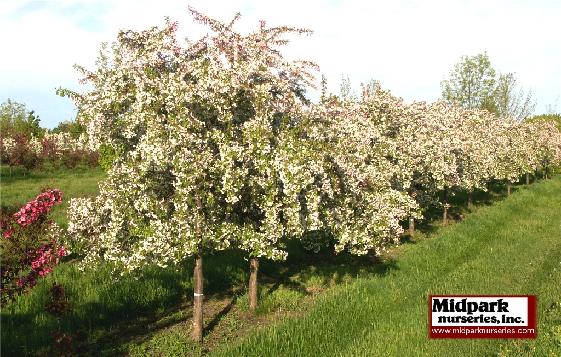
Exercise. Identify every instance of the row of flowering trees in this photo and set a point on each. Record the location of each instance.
(214, 145)
(61, 148)
(443, 148)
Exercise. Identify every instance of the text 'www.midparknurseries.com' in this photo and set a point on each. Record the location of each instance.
(482, 316)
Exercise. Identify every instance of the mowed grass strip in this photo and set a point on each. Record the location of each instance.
(511, 247)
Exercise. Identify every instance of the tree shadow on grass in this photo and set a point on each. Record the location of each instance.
(128, 310)
(458, 211)
(304, 272)
(118, 311)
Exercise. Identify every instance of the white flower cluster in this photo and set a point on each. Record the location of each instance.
(64, 142)
(7, 146)
(216, 147)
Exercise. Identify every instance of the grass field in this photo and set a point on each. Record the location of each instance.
(20, 186)
(513, 247)
(311, 304)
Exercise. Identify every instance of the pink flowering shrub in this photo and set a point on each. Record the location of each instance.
(30, 244)
(40, 206)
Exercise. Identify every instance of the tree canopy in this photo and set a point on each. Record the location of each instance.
(16, 119)
(473, 83)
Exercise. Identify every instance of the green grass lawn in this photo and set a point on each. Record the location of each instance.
(321, 305)
(19, 186)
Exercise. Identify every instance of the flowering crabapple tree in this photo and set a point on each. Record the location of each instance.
(206, 142)
(265, 157)
(542, 145)
(420, 146)
(475, 154)
(418, 143)
(357, 205)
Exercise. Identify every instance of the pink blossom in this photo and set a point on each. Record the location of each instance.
(39, 206)
(8, 233)
(45, 271)
(61, 252)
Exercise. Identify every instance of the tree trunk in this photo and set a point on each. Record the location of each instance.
(198, 324)
(198, 298)
(411, 226)
(253, 270)
(527, 178)
(470, 200)
(445, 212)
(508, 188)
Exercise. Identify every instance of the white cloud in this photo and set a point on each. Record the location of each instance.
(408, 45)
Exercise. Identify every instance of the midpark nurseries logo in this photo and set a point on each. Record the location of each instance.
(482, 316)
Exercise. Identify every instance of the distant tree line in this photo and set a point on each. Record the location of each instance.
(23, 142)
(16, 119)
(475, 84)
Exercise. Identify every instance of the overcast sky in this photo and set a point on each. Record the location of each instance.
(408, 45)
